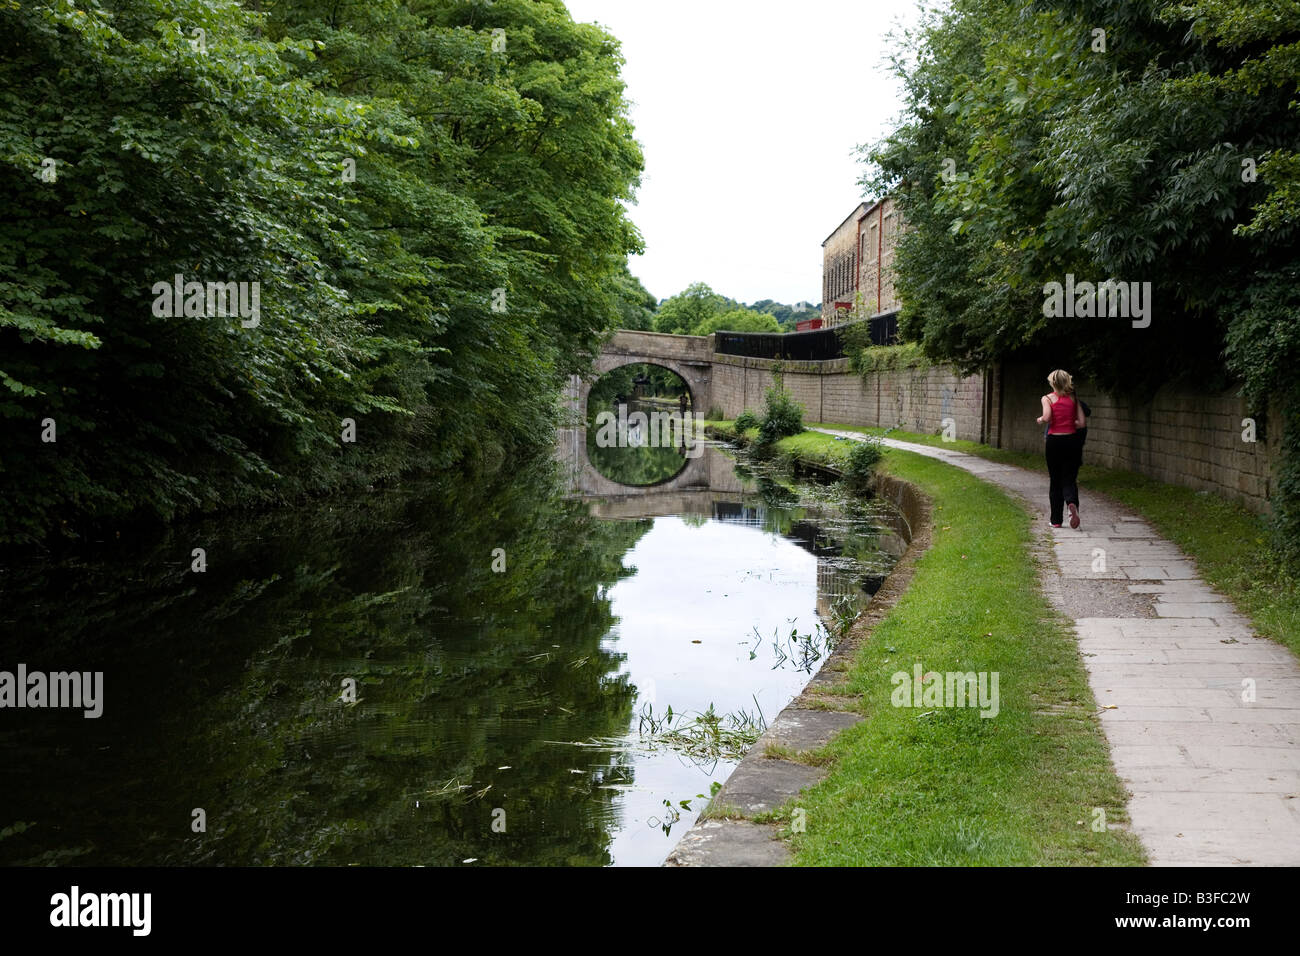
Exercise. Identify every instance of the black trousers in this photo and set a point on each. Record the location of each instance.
(1063, 455)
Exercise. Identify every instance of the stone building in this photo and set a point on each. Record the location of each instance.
(857, 263)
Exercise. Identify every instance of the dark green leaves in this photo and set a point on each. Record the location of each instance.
(434, 224)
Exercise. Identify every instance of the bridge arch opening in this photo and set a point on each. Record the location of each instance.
(645, 382)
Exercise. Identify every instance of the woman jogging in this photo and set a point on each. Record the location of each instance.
(1063, 418)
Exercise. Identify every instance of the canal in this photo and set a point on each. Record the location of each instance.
(468, 672)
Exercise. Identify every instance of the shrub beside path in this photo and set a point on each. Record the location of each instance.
(1202, 715)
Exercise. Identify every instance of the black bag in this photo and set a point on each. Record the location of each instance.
(1087, 413)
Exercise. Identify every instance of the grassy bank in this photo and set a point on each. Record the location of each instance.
(812, 447)
(1228, 543)
(945, 786)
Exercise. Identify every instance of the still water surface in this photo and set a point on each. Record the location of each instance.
(499, 711)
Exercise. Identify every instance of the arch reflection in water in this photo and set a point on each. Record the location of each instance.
(640, 429)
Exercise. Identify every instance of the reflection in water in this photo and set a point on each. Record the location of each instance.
(223, 689)
(640, 443)
(647, 405)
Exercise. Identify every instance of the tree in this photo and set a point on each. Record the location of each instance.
(688, 309)
(738, 320)
(1161, 151)
(636, 306)
(432, 211)
(787, 316)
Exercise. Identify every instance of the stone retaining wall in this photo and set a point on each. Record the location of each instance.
(916, 400)
(1181, 436)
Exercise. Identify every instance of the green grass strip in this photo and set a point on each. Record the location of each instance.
(943, 786)
(1227, 542)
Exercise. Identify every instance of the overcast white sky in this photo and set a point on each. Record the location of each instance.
(749, 112)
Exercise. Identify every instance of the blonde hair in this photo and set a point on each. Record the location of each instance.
(1061, 381)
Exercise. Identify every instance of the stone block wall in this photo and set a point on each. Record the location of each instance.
(1182, 436)
(913, 399)
(662, 345)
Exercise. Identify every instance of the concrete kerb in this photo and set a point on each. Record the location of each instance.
(761, 784)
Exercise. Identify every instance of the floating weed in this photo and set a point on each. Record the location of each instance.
(707, 736)
(802, 651)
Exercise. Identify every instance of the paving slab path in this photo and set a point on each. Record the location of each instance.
(1202, 715)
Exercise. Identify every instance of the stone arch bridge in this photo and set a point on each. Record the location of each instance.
(690, 356)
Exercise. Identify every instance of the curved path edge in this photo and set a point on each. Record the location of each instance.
(761, 784)
(1201, 714)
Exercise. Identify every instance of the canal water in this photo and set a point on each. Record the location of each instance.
(515, 644)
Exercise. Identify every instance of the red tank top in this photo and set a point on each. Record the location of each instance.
(1062, 416)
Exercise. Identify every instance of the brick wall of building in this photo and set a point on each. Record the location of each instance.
(879, 229)
(841, 264)
(857, 261)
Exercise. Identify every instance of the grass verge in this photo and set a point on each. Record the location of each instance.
(944, 786)
(811, 447)
(1228, 543)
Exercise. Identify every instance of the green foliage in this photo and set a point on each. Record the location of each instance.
(636, 306)
(861, 463)
(747, 420)
(688, 309)
(1027, 154)
(788, 316)
(870, 359)
(782, 415)
(737, 320)
(698, 310)
(476, 169)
